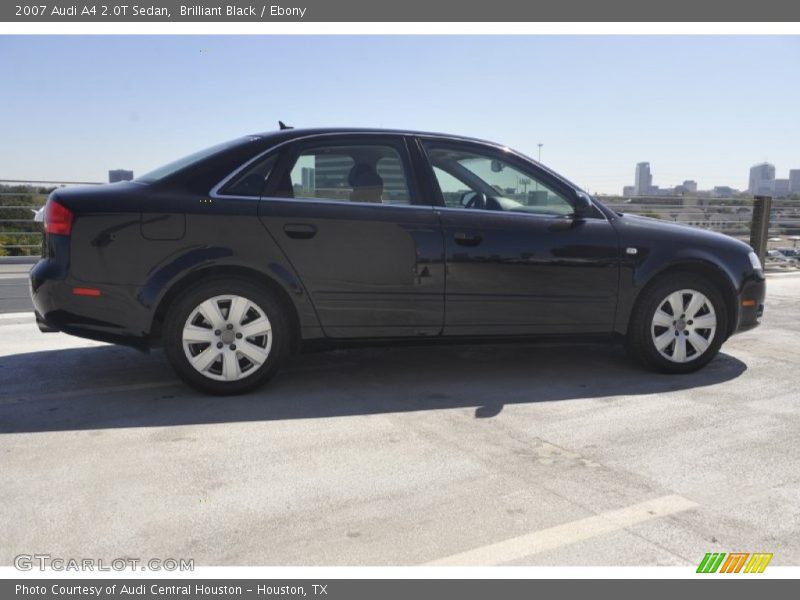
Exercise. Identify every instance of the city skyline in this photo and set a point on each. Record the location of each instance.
(762, 181)
(80, 106)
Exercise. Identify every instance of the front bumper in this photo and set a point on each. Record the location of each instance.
(750, 303)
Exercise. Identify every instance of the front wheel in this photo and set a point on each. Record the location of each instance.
(679, 324)
(226, 336)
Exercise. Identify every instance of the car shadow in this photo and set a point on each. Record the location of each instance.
(113, 387)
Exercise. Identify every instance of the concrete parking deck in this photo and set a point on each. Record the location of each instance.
(549, 455)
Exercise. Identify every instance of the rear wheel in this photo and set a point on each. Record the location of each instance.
(678, 325)
(226, 336)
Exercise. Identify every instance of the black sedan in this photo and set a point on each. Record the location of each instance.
(235, 257)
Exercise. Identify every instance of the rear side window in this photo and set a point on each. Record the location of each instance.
(368, 173)
(250, 182)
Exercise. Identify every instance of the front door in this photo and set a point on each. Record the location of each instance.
(518, 261)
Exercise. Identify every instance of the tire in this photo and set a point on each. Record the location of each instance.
(677, 343)
(201, 336)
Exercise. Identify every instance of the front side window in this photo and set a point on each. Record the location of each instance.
(484, 182)
(367, 173)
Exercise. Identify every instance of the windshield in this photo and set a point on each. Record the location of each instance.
(181, 163)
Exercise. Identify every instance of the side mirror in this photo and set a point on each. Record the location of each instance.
(582, 205)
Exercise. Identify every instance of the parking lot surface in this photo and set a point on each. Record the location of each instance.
(542, 455)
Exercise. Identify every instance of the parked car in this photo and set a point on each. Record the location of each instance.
(779, 258)
(238, 255)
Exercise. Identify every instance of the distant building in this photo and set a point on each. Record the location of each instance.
(119, 175)
(659, 191)
(537, 198)
(780, 188)
(330, 171)
(794, 181)
(689, 186)
(643, 181)
(309, 180)
(629, 190)
(723, 191)
(761, 177)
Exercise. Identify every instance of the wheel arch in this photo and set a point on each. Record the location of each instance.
(212, 272)
(704, 268)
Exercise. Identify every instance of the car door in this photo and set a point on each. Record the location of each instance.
(348, 214)
(517, 260)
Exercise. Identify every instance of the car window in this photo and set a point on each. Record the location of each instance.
(453, 189)
(484, 182)
(250, 182)
(187, 161)
(370, 173)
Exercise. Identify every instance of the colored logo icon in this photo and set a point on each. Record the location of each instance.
(735, 562)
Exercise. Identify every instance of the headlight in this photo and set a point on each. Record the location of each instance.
(755, 262)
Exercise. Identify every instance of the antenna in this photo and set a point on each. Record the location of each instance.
(283, 125)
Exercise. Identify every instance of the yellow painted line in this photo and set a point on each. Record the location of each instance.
(569, 533)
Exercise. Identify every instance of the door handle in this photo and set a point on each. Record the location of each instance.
(300, 231)
(468, 239)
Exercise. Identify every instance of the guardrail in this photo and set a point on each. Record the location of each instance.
(771, 226)
(19, 199)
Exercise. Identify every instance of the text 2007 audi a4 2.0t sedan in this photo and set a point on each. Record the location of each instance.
(235, 257)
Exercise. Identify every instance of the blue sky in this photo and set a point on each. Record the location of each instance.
(703, 108)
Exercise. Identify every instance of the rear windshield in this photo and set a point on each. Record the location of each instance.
(187, 161)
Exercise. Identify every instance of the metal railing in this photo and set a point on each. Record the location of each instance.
(20, 235)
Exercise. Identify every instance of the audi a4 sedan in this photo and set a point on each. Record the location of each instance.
(235, 257)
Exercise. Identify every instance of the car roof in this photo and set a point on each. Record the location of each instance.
(289, 134)
(292, 133)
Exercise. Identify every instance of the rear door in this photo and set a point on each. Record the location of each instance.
(348, 214)
(518, 261)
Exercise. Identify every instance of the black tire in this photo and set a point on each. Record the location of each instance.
(639, 342)
(184, 306)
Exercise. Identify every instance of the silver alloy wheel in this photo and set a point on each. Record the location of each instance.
(227, 338)
(684, 325)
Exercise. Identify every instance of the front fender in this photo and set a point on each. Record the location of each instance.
(650, 249)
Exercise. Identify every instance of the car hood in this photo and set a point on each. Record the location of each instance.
(634, 226)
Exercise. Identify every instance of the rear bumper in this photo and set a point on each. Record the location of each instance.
(750, 303)
(43, 326)
(112, 316)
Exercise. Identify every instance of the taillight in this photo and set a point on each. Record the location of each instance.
(57, 218)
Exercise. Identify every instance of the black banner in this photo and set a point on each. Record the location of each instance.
(407, 10)
(386, 589)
